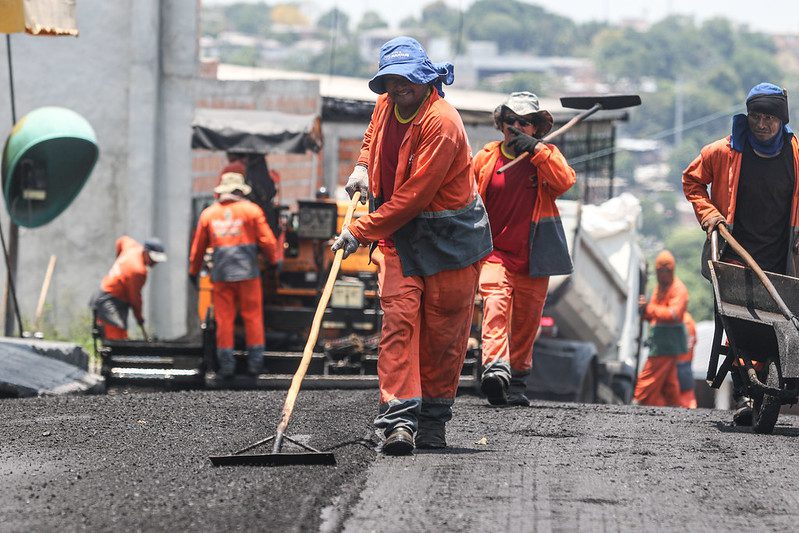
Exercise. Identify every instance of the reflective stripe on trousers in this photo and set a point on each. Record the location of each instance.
(512, 307)
(246, 296)
(426, 324)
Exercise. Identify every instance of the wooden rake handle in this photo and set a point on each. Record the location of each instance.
(299, 375)
(558, 132)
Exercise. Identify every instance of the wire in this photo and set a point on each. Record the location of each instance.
(663, 134)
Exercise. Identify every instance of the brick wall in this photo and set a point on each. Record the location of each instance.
(300, 174)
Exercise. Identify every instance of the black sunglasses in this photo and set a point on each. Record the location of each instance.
(510, 121)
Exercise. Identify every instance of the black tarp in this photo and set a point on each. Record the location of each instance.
(249, 131)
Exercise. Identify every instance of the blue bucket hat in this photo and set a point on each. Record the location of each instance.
(405, 57)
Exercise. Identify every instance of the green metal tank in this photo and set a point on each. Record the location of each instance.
(46, 161)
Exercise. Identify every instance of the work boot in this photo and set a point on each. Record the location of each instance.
(226, 362)
(743, 412)
(517, 391)
(255, 360)
(431, 435)
(399, 442)
(495, 388)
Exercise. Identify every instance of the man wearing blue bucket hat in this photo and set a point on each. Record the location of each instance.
(754, 189)
(430, 230)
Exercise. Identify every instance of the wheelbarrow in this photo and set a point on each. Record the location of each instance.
(757, 310)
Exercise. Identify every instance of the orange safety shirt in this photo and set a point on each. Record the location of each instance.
(128, 275)
(435, 215)
(719, 166)
(236, 229)
(549, 254)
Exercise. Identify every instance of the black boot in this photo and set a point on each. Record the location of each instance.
(399, 442)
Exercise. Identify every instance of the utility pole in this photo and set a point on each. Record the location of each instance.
(678, 111)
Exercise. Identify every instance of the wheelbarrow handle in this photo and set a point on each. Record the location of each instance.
(750, 262)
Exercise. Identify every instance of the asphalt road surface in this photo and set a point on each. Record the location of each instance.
(139, 461)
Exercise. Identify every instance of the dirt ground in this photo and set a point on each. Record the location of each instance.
(139, 461)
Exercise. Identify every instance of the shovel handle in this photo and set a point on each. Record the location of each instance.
(558, 132)
(750, 262)
(299, 375)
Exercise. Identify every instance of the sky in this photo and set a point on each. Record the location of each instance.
(783, 14)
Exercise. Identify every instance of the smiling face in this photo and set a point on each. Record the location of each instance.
(764, 127)
(407, 95)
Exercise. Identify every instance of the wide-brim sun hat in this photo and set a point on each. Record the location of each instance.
(232, 181)
(155, 249)
(404, 56)
(526, 105)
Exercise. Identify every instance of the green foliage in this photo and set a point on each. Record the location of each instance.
(371, 20)
(522, 27)
(438, 19)
(253, 19)
(247, 56)
(335, 19)
(345, 62)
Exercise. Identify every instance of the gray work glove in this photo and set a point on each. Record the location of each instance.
(710, 224)
(346, 241)
(358, 181)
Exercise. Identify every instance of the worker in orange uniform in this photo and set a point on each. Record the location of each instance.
(685, 373)
(236, 229)
(657, 383)
(120, 289)
(529, 242)
(430, 230)
(749, 181)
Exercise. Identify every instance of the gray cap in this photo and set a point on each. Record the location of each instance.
(522, 103)
(525, 104)
(155, 249)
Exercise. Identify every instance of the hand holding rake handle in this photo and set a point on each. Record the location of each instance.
(591, 104)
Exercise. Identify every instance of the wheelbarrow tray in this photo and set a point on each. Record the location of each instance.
(752, 321)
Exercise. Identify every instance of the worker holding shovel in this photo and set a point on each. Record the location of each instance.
(529, 243)
(658, 383)
(120, 289)
(430, 230)
(752, 174)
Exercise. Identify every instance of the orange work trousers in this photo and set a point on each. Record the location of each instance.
(245, 295)
(426, 324)
(657, 383)
(512, 307)
(111, 332)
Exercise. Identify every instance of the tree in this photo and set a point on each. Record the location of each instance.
(252, 19)
(371, 20)
(334, 20)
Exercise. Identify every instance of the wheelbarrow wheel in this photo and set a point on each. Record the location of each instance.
(767, 410)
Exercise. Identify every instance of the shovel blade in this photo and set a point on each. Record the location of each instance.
(615, 101)
(275, 459)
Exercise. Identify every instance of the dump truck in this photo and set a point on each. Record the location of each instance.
(590, 334)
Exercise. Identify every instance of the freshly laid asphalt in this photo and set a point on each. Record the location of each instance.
(140, 462)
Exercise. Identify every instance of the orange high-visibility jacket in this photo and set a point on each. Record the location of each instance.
(435, 216)
(719, 166)
(665, 313)
(128, 275)
(236, 229)
(548, 252)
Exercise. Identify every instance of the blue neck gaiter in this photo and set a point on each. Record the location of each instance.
(742, 134)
